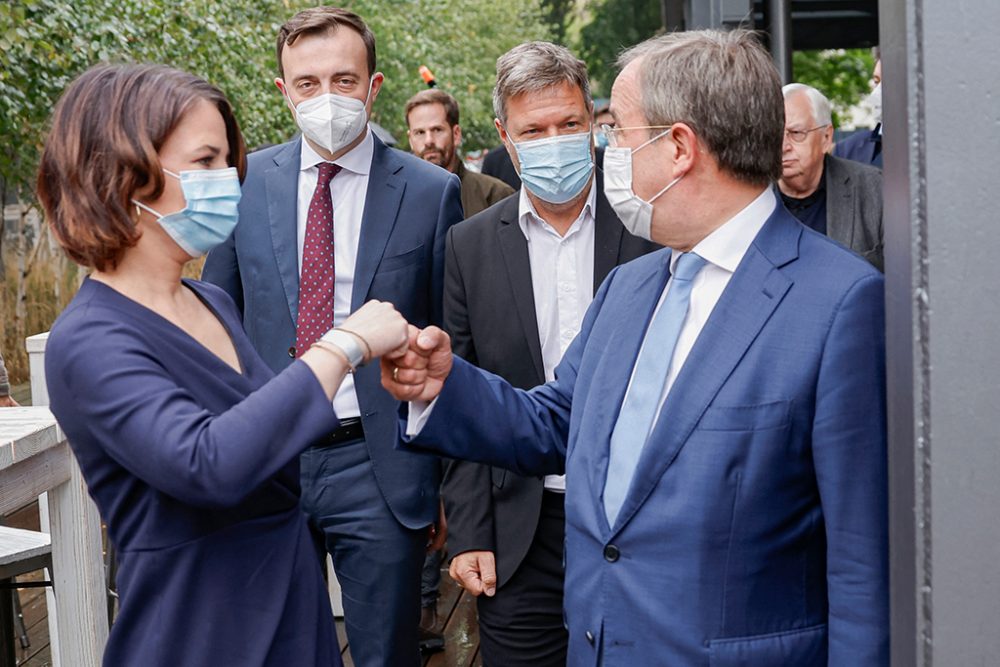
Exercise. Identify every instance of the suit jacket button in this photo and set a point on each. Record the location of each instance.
(291, 352)
(590, 637)
(611, 553)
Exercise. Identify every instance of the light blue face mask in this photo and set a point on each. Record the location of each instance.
(210, 214)
(556, 169)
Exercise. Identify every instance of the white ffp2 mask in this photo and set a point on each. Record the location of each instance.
(332, 121)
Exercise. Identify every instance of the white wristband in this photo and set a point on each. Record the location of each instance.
(347, 344)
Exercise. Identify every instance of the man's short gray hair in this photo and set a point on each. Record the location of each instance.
(534, 66)
(821, 110)
(725, 87)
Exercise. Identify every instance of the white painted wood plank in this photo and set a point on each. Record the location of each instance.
(25, 432)
(50, 596)
(336, 594)
(78, 570)
(78, 620)
(28, 479)
(17, 544)
(36, 366)
(40, 396)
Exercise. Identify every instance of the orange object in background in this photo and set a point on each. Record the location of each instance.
(427, 76)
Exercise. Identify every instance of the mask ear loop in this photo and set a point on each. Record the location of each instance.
(667, 187)
(371, 83)
(139, 205)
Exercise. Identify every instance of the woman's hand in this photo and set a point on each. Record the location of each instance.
(379, 325)
(380, 330)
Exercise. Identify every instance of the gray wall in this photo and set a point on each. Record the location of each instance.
(941, 95)
(716, 13)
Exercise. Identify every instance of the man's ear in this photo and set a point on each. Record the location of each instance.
(507, 143)
(377, 80)
(828, 139)
(456, 135)
(501, 130)
(686, 148)
(282, 88)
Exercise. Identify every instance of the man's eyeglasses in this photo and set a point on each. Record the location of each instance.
(798, 136)
(611, 132)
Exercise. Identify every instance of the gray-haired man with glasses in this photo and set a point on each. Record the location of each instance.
(834, 196)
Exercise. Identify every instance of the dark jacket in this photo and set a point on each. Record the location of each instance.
(480, 191)
(864, 146)
(854, 207)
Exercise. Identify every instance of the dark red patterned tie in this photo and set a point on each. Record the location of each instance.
(316, 281)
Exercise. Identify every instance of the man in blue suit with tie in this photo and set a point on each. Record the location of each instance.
(329, 221)
(721, 415)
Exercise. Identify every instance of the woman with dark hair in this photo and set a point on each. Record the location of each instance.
(188, 442)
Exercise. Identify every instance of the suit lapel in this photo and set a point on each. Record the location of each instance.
(752, 295)
(385, 192)
(282, 182)
(514, 249)
(608, 231)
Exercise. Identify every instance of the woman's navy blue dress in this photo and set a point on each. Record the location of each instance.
(194, 468)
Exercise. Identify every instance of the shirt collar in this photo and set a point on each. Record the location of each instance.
(526, 212)
(726, 246)
(357, 160)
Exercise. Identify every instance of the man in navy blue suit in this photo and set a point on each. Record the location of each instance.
(328, 221)
(865, 146)
(720, 416)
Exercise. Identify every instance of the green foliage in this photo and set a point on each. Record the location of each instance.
(843, 75)
(44, 44)
(613, 26)
(557, 13)
(460, 42)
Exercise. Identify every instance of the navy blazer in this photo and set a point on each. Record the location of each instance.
(194, 467)
(755, 530)
(863, 146)
(409, 206)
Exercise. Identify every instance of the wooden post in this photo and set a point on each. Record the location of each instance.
(336, 594)
(40, 396)
(78, 618)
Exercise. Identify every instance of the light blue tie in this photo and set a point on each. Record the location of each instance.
(635, 421)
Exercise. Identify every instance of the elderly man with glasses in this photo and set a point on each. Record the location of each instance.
(834, 196)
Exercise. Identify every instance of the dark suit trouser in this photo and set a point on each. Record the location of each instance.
(522, 626)
(377, 559)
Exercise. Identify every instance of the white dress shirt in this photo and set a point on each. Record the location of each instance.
(562, 281)
(347, 190)
(723, 251)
